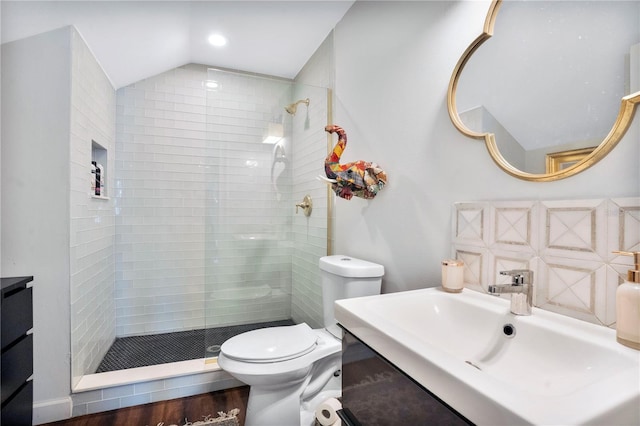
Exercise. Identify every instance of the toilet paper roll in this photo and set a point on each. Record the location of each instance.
(326, 413)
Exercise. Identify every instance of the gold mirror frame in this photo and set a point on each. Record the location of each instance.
(622, 123)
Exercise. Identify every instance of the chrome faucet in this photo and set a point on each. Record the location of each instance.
(521, 289)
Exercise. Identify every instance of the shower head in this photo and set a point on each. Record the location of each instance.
(291, 108)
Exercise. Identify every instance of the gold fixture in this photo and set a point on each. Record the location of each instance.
(292, 108)
(306, 205)
(557, 161)
(623, 121)
(633, 275)
(330, 194)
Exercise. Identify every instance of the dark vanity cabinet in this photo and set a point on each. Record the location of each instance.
(16, 310)
(376, 393)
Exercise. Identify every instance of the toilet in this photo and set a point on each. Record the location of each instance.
(291, 370)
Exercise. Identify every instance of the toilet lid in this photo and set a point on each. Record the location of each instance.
(271, 344)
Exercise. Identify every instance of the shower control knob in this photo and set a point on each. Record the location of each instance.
(306, 205)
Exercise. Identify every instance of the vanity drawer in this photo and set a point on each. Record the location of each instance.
(375, 392)
(17, 366)
(17, 411)
(17, 314)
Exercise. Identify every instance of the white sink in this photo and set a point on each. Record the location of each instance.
(551, 369)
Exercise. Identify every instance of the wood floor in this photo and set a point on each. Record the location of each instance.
(170, 412)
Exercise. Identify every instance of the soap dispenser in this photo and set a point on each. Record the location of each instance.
(628, 305)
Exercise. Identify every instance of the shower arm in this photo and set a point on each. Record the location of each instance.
(292, 108)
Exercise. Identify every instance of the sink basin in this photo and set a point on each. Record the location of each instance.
(498, 368)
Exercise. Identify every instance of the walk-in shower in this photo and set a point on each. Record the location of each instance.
(206, 240)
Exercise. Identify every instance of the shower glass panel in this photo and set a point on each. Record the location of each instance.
(206, 239)
(260, 257)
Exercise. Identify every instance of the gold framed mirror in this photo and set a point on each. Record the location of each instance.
(612, 116)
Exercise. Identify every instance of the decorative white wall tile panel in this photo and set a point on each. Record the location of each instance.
(568, 244)
(471, 224)
(513, 225)
(476, 265)
(575, 228)
(573, 287)
(624, 227)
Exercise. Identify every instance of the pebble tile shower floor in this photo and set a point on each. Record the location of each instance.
(154, 349)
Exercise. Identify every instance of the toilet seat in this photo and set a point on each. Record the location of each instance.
(272, 344)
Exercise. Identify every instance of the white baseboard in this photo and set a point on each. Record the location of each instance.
(52, 410)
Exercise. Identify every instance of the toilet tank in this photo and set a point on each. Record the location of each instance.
(344, 277)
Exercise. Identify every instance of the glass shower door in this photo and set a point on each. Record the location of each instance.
(257, 166)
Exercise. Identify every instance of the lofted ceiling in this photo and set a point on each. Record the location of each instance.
(133, 40)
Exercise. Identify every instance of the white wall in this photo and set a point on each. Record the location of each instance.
(53, 229)
(393, 65)
(35, 194)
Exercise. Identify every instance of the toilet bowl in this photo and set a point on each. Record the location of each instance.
(292, 369)
(301, 371)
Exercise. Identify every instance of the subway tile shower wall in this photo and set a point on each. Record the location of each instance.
(309, 233)
(198, 224)
(568, 244)
(92, 222)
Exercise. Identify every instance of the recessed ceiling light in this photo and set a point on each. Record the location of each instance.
(217, 40)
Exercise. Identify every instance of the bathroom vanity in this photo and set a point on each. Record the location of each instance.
(375, 392)
(466, 358)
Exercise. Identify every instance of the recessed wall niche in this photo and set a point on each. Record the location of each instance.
(99, 155)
